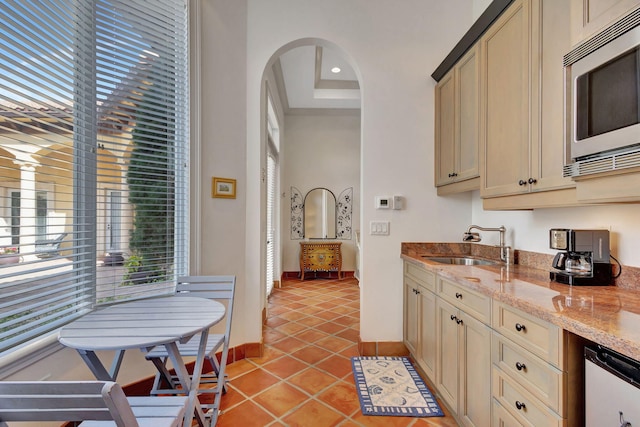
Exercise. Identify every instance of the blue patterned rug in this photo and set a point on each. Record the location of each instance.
(391, 386)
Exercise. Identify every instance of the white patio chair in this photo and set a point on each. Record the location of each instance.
(93, 403)
(220, 288)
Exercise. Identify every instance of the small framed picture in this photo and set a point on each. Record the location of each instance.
(224, 188)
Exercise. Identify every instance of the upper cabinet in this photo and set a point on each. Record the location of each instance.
(590, 16)
(522, 133)
(456, 126)
(500, 107)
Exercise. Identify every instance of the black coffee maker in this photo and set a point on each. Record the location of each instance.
(585, 257)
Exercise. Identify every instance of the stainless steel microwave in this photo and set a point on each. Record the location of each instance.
(602, 109)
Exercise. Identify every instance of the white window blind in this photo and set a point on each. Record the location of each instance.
(93, 154)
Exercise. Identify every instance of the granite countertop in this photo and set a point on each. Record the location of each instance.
(607, 315)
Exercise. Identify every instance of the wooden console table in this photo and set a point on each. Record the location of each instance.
(320, 256)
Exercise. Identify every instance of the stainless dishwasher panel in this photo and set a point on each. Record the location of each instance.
(612, 389)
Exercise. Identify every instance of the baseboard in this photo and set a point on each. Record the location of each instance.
(382, 348)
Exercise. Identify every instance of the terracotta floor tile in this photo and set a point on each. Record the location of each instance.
(231, 398)
(335, 365)
(382, 421)
(289, 345)
(340, 397)
(313, 414)
(327, 315)
(291, 328)
(311, 335)
(311, 321)
(254, 382)
(349, 334)
(330, 327)
(270, 353)
(271, 335)
(238, 368)
(280, 399)
(275, 321)
(311, 354)
(347, 320)
(333, 344)
(247, 414)
(292, 315)
(285, 366)
(312, 380)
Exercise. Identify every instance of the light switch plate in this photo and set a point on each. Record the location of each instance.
(379, 228)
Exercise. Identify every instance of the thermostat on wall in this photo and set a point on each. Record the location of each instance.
(383, 202)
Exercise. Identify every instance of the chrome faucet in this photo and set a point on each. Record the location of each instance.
(470, 236)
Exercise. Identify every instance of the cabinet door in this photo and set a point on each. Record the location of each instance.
(447, 367)
(475, 372)
(445, 125)
(505, 129)
(411, 301)
(427, 341)
(468, 146)
(590, 16)
(548, 156)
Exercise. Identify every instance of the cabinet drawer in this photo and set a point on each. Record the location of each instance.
(539, 337)
(521, 404)
(424, 277)
(473, 303)
(541, 379)
(502, 417)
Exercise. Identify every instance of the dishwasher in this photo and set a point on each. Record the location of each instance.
(612, 389)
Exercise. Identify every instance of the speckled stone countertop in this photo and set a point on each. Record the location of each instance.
(607, 315)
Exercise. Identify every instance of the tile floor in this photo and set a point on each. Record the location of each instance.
(304, 377)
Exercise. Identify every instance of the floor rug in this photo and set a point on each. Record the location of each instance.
(391, 386)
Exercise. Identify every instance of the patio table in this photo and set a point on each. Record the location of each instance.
(143, 324)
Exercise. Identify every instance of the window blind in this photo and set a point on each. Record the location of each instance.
(93, 156)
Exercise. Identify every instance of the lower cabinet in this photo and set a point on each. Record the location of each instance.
(463, 374)
(491, 364)
(420, 317)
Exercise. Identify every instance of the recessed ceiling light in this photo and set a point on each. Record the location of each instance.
(336, 70)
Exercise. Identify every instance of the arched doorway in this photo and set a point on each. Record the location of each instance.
(319, 122)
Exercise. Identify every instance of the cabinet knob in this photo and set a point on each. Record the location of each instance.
(453, 317)
(452, 174)
(458, 295)
(532, 181)
(520, 327)
(522, 182)
(459, 321)
(520, 366)
(520, 405)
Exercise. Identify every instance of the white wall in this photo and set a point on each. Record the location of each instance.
(529, 230)
(394, 47)
(321, 151)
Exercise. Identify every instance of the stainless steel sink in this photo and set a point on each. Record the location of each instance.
(460, 260)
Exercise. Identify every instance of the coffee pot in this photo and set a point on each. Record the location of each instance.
(584, 259)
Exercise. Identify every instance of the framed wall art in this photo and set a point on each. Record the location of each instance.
(224, 188)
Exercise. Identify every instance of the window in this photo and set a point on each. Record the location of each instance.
(93, 156)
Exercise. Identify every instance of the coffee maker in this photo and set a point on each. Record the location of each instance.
(584, 260)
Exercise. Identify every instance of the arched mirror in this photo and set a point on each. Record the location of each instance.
(319, 214)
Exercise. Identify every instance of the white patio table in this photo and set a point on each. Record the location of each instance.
(144, 324)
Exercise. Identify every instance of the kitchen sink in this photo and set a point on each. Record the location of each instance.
(460, 260)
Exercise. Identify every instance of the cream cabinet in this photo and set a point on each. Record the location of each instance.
(420, 316)
(463, 364)
(521, 127)
(590, 16)
(457, 126)
(537, 371)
